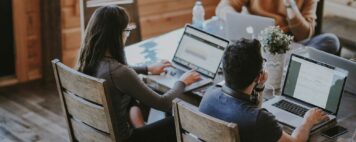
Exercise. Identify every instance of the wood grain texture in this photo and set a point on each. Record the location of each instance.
(20, 33)
(87, 8)
(80, 84)
(84, 99)
(154, 25)
(84, 133)
(70, 18)
(188, 118)
(156, 17)
(31, 112)
(70, 57)
(27, 36)
(70, 38)
(158, 8)
(88, 113)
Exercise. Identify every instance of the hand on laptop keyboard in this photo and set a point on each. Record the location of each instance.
(190, 77)
(170, 71)
(159, 67)
(315, 116)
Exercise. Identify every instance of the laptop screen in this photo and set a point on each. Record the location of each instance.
(315, 83)
(201, 51)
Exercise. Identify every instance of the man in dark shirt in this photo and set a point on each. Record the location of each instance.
(238, 100)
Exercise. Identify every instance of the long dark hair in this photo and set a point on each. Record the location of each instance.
(103, 34)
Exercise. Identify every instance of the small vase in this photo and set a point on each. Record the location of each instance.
(274, 68)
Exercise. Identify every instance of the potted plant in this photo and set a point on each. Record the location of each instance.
(275, 44)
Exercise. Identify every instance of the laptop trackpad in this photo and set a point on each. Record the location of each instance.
(288, 118)
(198, 84)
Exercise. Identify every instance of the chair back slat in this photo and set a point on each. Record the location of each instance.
(89, 113)
(82, 85)
(189, 138)
(84, 133)
(84, 100)
(190, 120)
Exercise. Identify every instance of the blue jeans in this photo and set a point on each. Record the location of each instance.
(324, 42)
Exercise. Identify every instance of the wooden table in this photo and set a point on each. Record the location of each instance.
(163, 47)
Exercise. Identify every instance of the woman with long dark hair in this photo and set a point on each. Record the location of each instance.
(102, 55)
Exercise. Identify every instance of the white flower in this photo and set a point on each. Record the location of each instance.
(274, 40)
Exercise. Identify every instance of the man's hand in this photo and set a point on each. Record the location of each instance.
(262, 79)
(158, 68)
(314, 116)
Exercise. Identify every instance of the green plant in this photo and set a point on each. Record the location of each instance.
(274, 40)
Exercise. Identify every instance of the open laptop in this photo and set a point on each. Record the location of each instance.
(308, 84)
(197, 50)
(337, 62)
(245, 26)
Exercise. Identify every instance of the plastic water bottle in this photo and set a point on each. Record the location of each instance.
(198, 14)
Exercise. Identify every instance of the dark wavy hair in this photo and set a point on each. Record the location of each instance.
(242, 63)
(103, 34)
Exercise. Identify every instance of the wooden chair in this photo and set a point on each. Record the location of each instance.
(87, 8)
(194, 126)
(85, 104)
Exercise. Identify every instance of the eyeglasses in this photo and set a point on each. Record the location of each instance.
(129, 28)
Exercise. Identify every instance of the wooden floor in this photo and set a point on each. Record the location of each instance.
(31, 113)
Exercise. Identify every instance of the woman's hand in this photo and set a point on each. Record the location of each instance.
(190, 77)
(158, 68)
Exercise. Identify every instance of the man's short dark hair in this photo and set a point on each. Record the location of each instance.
(242, 62)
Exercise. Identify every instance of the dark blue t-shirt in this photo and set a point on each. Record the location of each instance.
(254, 124)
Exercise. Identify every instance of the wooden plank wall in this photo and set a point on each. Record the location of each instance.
(156, 17)
(161, 16)
(70, 14)
(30, 68)
(34, 40)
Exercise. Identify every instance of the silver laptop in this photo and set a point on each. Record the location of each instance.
(337, 62)
(245, 26)
(308, 83)
(197, 50)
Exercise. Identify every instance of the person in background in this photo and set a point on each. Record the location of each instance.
(102, 55)
(238, 100)
(295, 17)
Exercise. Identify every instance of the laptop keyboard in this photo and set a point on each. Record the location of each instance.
(291, 107)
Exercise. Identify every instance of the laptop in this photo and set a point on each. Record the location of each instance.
(197, 50)
(245, 26)
(308, 84)
(337, 62)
